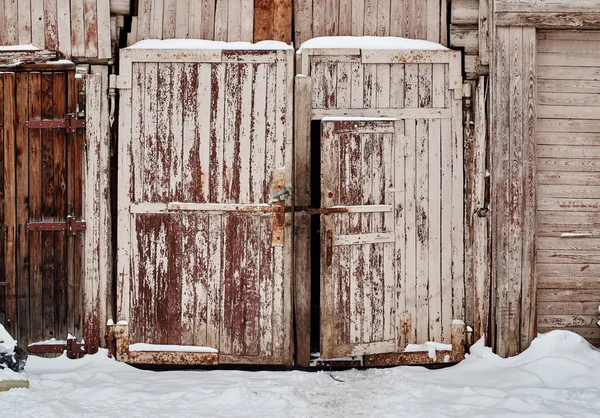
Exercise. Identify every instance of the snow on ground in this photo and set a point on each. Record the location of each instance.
(558, 376)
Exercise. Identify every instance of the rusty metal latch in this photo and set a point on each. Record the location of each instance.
(280, 195)
(71, 226)
(71, 123)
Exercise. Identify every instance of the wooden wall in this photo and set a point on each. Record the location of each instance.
(470, 23)
(418, 19)
(513, 188)
(219, 20)
(76, 28)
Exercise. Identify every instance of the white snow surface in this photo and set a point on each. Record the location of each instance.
(165, 347)
(7, 343)
(10, 48)
(430, 346)
(559, 375)
(204, 44)
(371, 43)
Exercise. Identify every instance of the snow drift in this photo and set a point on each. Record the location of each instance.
(558, 375)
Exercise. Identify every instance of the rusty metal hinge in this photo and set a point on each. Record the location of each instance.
(71, 346)
(71, 226)
(71, 123)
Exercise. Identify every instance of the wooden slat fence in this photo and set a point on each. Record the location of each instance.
(416, 19)
(76, 28)
(218, 20)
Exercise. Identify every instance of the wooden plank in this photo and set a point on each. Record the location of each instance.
(303, 21)
(569, 204)
(568, 112)
(464, 12)
(24, 22)
(35, 207)
(566, 164)
(556, 321)
(569, 295)
(568, 125)
(568, 257)
(263, 20)
(568, 191)
(302, 271)
(465, 37)
(37, 22)
(21, 195)
(567, 138)
(528, 285)
(169, 19)
(397, 21)
(556, 72)
(567, 308)
(568, 86)
(546, 6)
(422, 220)
(60, 254)
(570, 99)
(90, 28)
(557, 243)
(104, 42)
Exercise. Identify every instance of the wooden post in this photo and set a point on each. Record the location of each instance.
(302, 221)
(478, 217)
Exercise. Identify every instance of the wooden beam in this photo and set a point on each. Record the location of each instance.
(560, 20)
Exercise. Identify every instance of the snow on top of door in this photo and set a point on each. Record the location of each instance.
(20, 48)
(204, 44)
(166, 347)
(371, 42)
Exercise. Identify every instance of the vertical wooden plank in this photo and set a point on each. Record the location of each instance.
(60, 238)
(246, 121)
(433, 21)
(183, 11)
(411, 28)
(234, 20)
(397, 19)
(251, 289)
(332, 15)
(137, 131)
(217, 120)
(21, 193)
(528, 287)
(176, 131)
(231, 130)
(202, 132)
(169, 17)
(378, 194)
(11, 20)
(194, 19)
(3, 292)
(399, 231)
(157, 18)
(104, 42)
(124, 218)
(164, 141)
(247, 20)
(422, 228)
(90, 28)
(24, 25)
(369, 86)
(302, 222)
(484, 32)
(92, 205)
(383, 85)
(214, 294)
(389, 250)
(444, 22)
(202, 280)
(358, 17)
(48, 209)
(64, 27)
(501, 190)
(75, 86)
(383, 17)
(345, 18)
(515, 195)
(410, 227)
(370, 28)
(264, 14)
(397, 86)
(319, 18)
(209, 19)
(35, 207)
(446, 228)
(37, 22)
(421, 28)
(480, 243)
(150, 111)
(174, 283)
(356, 85)
(303, 21)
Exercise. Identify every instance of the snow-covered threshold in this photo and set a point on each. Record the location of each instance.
(558, 376)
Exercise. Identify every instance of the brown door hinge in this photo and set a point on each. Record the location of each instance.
(71, 226)
(71, 123)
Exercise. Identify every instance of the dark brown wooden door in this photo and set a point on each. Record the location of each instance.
(40, 181)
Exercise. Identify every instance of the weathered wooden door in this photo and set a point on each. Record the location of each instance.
(568, 182)
(362, 161)
(41, 281)
(205, 160)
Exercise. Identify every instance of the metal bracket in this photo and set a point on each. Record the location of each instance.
(71, 123)
(280, 195)
(71, 226)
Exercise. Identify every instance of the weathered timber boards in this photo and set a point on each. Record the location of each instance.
(546, 6)
(76, 28)
(207, 255)
(219, 20)
(417, 19)
(513, 191)
(568, 210)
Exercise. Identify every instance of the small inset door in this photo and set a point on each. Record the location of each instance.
(362, 236)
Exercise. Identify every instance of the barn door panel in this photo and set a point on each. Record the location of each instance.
(362, 161)
(205, 184)
(41, 183)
